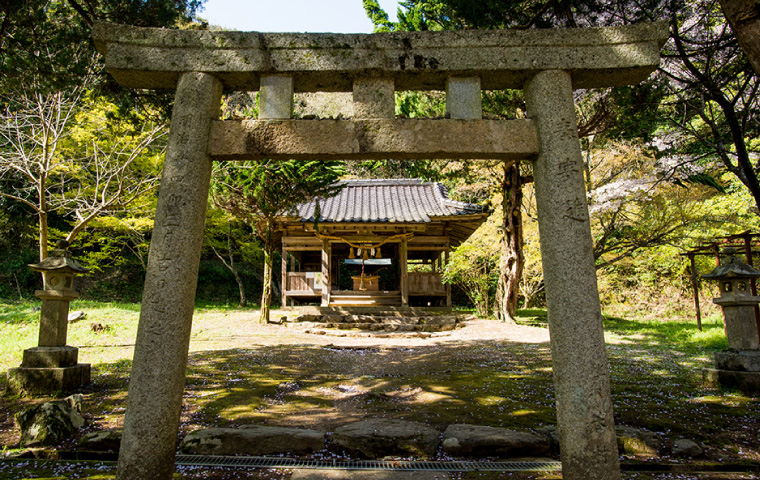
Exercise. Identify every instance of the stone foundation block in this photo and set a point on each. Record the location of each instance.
(746, 382)
(478, 441)
(440, 320)
(380, 437)
(50, 357)
(51, 422)
(37, 381)
(253, 440)
(637, 442)
(102, 440)
(742, 360)
(333, 319)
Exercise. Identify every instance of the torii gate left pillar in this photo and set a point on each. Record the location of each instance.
(157, 379)
(549, 64)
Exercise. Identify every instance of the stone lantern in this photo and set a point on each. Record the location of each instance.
(739, 366)
(52, 366)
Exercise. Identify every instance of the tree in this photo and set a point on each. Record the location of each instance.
(258, 192)
(45, 45)
(64, 157)
(511, 259)
(49, 70)
(714, 115)
(472, 267)
(228, 238)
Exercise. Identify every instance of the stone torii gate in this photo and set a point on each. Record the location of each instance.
(547, 64)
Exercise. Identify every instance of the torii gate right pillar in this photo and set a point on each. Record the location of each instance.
(579, 360)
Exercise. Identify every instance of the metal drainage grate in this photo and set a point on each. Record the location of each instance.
(280, 462)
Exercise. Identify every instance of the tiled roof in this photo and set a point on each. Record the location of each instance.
(388, 200)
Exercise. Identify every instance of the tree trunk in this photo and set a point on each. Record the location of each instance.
(744, 18)
(243, 300)
(512, 260)
(266, 294)
(43, 229)
(232, 268)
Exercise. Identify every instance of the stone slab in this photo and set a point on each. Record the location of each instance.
(402, 138)
(50, 357)
(637, 442)
(381, 437)
(748, 361)
(276, 97)
(40, 381)
(101, 440)
(368, 475)
(595, 57)
(374, 98)
(464, 440)
(463, 98)
(746, 382)
(253, 440)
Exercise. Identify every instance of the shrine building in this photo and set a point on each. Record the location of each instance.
(377, 242)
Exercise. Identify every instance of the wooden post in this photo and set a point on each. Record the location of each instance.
(284, 279)
(753, 286)
(325, 273)
(695, 285)
(448, 285)
(403, 253)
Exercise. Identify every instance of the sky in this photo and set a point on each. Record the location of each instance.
(337, 16)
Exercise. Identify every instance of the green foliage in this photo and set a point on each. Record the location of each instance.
(474, 269)
(46, 44)
(258, 192)
(378, 16)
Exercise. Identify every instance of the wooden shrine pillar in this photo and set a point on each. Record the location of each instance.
(326, 251)
(403, 253)
(284, 279)
(448, 285)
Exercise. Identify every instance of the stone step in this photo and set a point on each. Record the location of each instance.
(381, 327)
(376, 310)
(356, 300)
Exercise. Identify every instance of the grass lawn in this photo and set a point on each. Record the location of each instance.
(241, 372)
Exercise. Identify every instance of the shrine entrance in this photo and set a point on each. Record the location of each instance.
(548, 64)
(380, 242)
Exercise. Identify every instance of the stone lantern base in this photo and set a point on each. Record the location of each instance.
(46, 370)
(738, 369)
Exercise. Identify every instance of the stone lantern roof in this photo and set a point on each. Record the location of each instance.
(59, 260)
(732, 267)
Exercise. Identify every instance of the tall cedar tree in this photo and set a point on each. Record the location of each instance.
(258, 192)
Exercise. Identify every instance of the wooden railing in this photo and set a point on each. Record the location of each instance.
(304, 282)
(426, 283)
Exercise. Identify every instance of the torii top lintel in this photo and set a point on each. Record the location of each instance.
(596, 57)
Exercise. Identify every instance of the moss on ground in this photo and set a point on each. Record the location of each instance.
(236, 378)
